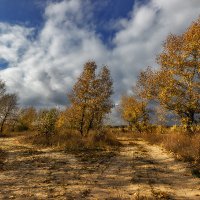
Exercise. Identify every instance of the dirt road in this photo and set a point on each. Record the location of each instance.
(137, 171)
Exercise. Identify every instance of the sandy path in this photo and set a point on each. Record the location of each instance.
(138, 170)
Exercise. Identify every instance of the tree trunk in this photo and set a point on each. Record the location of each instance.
(82, 121)
(190, 122)
(1, 129)
(90, 124)
(3, 122)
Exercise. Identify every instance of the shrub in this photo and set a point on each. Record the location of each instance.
(70, 140)
(46, 123)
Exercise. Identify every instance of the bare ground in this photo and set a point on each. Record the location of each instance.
(137, 171)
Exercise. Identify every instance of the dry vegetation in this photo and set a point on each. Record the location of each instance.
(170, 95)
(71, 141)
(3, 155)
(183, 146)
(136, 171)
(79, 126)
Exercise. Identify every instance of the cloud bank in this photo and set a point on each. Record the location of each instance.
(43, 69)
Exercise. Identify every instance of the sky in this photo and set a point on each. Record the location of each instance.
(45, 43)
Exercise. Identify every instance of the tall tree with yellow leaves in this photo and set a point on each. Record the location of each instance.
(83, 92)
(176, 85)
(101, 104)
(91, 97)
(135, 112)
(180, 74)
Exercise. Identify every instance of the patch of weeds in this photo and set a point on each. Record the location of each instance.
(85, 193)
(3, 156)
(156, 196)
(196, 172)
(139, 196)
(94, 156)
(31, 152)
(144, 198)
(70, 197)
(162, 195)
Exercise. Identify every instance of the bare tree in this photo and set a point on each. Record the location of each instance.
(8, 106)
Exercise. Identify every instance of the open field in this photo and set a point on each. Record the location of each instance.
(137, 171)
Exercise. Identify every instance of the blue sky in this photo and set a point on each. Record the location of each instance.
(44, 43)
(30, 13)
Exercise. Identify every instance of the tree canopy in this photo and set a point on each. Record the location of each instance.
(176, 84)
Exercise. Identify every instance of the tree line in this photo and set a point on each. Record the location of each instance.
(90, 101)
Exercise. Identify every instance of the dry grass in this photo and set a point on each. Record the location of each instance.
(72, 141)
(184, 146)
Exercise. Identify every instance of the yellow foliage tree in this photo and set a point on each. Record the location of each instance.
(70, 118)
(134, 112)
(176, 85)
(90, 98)
(27, 118)
(46, 122)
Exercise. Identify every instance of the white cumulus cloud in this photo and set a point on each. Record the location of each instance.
(42, 69)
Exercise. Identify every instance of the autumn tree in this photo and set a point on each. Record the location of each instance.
(70, 118)
(135, 112)
(91, 97)
(146, 87)
(176, 84)
(101, 103)
(46, 122)
(83, 92)
(27, 118)
(8, 106)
